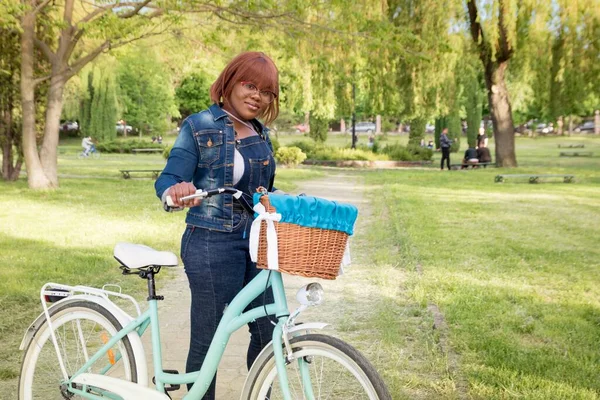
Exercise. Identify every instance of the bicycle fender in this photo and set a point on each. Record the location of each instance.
(308, 326)
(127, 390)
(120, 315)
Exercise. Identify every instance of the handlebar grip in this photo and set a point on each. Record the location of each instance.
(170, 202)
(170, 205)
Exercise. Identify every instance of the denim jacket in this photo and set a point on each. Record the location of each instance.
(203, 154)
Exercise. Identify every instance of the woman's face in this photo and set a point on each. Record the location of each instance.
(245, 104)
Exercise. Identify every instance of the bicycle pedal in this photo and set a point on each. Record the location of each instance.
(169, 387)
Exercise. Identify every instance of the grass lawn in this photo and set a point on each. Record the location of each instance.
(513, 267)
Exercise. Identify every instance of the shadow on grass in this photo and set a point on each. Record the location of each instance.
(524, 341)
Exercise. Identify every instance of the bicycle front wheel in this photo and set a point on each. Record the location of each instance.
(81, 329)
(323, 367)
(96, 155)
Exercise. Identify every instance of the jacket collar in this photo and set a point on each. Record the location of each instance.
(216, 111)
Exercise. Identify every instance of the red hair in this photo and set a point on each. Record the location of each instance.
(251, 66)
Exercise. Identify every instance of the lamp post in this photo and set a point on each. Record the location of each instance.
(353, 115)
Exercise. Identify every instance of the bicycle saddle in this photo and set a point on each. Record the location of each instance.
(135, 256)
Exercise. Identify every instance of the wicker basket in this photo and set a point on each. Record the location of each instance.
(309, 252)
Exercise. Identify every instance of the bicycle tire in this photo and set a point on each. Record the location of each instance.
(40, 372)
(337, 371)
(95, 155)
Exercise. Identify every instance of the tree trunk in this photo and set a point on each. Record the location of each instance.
(10, 171)
(48, 152)
(500, 110)
(35, 172)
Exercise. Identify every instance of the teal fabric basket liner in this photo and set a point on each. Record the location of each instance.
(313, 212)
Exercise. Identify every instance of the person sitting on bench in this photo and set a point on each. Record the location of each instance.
(483, 154)
(470, 157)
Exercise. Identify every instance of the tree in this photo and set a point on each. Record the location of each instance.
(12, 151)
(57, 29)
(146, 91)
(103, 113)
(495, 48)
(192, 94)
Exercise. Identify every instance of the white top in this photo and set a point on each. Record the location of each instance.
(238, 166)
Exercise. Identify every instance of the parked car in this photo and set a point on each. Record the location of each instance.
(120, 128)
(368, 127)
(588, 126)
(69, 127)
(544, 128)
(301, 128)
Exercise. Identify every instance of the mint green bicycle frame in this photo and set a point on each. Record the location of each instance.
(233, 318)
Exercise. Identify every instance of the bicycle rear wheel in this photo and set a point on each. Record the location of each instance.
(81, 329)
(335, 370)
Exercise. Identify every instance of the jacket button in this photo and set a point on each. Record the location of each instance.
(209, 143)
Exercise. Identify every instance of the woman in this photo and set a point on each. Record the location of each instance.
(223, 146)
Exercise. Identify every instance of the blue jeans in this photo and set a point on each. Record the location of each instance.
(218, 266)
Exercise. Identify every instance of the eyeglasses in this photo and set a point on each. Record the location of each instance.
(265, 95)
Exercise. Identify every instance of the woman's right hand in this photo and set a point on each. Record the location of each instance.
(182, 189)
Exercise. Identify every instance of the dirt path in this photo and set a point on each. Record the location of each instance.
(340, 186)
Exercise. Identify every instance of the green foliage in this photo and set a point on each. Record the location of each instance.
(290, 156)
(320, 151)
(417, 131)
(166, 152)
(388, 125)
(125, 146)
(454, 131)
(103, 104)
(274, 143)
(440, 124)
(307, 147)
(318, 129)
(193, 94)
(146, 92)
(473, 109)
(407, 153)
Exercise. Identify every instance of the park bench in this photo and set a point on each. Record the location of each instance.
(127, 172)
(534, 178)
(576, 154)
(472, 165)
(150, 150)
(571, 146)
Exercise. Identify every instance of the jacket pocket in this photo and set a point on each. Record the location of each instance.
(210, 144)
(261, 172)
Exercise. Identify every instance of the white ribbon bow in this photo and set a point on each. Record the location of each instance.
(272, 254)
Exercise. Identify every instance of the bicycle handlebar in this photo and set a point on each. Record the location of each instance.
(201, 194)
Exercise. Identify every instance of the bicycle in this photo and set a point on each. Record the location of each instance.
(107, 359)
(93, 153)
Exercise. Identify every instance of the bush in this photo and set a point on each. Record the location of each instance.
(409, 153)
(125, 146)
(290, 156)
(326, 153)
(275, 144)
(307, 147)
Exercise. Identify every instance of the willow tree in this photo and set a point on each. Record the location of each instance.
(495, 38)
(425, 77)
(575, 50)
